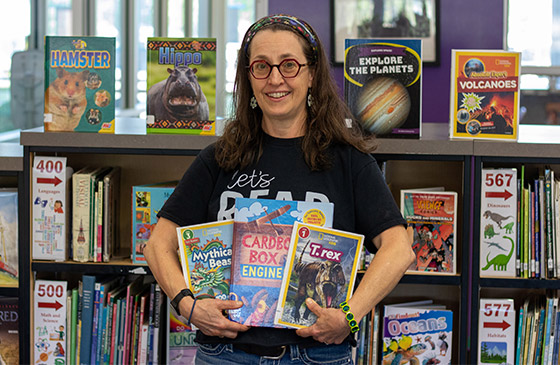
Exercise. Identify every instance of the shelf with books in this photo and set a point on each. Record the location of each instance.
(116, 266)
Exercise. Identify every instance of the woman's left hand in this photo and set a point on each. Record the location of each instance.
(331, 326)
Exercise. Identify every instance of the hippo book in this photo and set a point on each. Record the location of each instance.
(498, 222)
(79, 84)
(484, 101)
(205, 251)
(322, 263)
(383, 85)
(181, 86)
(262, 230)
(433, 217)
(417, 334)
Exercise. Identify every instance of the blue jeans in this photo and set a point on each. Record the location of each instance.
(226, 354)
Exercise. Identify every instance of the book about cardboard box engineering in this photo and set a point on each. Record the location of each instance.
(9, 237)
(50, 200)
(417, 335)
(50, 327)
(383, 85)
(262, 230)
(147, 200)
(433, 217)
(322, 263)
(181, 86)
(9, 330)
(205, 251)
(484, 94)
(79, 84)
(498, 222)
(496, 331)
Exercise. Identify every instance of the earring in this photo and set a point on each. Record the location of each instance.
(253, 102)
(309, 99)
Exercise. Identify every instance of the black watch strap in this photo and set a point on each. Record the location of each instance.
(183, 293)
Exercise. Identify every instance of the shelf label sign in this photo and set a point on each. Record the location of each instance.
(496, 331)
(50, 332)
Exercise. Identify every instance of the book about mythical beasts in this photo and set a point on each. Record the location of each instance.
(484, 100)
(322, 263)
(417, 335)
(79, 84)
(433, 217)
(262, 232)
(498, 222)
(383, 85)
(181, 86)
(205, 251)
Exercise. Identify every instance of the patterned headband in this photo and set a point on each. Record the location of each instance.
(299, 25)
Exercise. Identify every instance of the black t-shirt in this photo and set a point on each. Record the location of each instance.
(362, 201)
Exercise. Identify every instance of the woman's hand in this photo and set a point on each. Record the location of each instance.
(209, 318)
(331, 326)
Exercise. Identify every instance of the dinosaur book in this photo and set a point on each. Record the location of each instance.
(322, 264)
(498, 222)
(205, 251)
(262, 231)
(484, 101)
(417, 334)
(433, 217)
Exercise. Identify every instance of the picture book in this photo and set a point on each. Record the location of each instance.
(262, 230)
(383, 85)
(420, 334)
(498, 222)
(484, 101)
(80, 84)
(147, 200)
(111, 190)
(9, 237)
(181, 347)
(322, 263)
(50, 332)
(9, 330)
(496, 331)
(181, 86)
(205, 252)
(433, 217)
(50, 200)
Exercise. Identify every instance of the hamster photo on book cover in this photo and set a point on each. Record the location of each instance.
(383, 85)
(415, 335)
(322, 264)
(484, 94)
(79, 84)
(205, 251)
(433, 217)
(262, 230)
(181, 86)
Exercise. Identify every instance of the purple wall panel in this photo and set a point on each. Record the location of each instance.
(476, 24)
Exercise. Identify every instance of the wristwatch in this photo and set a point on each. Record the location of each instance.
(183, 293)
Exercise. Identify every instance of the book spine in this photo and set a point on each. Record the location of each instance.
(80, 216)
(150, 339)
(518, 251)
(519, 336)
(87, 318)
(159, 299)
(113, 333)
(99, 234)
(549, 243)
(74, 326)
(95, 322)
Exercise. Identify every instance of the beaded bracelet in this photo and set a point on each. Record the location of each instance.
(192, 310)
(349, 317)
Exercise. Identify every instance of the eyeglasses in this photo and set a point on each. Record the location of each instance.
(288, 68)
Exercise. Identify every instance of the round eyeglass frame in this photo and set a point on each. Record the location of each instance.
(300, 65)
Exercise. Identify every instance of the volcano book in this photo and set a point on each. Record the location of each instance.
(484, 101)
(181, 86)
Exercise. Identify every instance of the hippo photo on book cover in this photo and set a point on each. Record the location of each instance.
(181, 84)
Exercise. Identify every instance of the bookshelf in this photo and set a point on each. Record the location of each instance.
(434, 160)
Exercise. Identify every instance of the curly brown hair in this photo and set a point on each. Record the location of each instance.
(326, 122)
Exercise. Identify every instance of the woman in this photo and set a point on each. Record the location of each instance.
(288, 139)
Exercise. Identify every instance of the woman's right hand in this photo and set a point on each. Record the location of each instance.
(209, 317)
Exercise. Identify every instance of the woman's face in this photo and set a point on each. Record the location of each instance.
(282, 100)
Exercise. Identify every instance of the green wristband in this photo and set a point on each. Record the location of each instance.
(349, 317)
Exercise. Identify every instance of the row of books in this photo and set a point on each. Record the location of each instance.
(519, 223)
(280, 247)
(100, 321)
